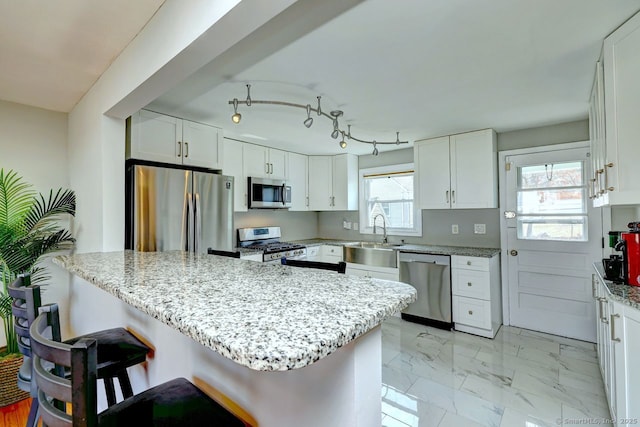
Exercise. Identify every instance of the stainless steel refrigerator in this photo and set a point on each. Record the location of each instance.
(175, 208)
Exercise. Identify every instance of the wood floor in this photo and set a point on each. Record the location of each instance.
(15, 415)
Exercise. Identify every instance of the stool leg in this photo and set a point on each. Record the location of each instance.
(125, 384)
(109, 389)
(33, 413)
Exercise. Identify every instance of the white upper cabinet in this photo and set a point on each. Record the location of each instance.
(299, 180)
(458, 171)
(232, 166)
(622, 104)
(167, 139)
(598, 189)
(264, 162)
(333, 183)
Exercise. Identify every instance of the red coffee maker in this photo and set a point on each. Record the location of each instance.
(631, 254)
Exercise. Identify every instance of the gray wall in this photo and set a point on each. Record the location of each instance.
(436, 224)
(295, 225)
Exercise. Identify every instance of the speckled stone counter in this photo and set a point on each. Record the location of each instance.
(264, 316)
(430, 249)
(625, 294)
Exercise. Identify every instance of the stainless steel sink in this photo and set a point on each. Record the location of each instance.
(372, 253)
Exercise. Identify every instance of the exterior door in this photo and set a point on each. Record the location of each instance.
(553, 237)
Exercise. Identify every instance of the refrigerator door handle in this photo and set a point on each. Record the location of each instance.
(198, 224)
(190, 223)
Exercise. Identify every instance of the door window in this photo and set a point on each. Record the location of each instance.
(551, 202)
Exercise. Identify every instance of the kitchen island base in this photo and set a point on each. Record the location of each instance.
(342, 389)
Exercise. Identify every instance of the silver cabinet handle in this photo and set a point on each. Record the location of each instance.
(453, 196)
(186, 149)
(593, 286)
(307, 202)
(330, 201)
(606, 177)
(603, 318)
(179, 148)
(266, 168)
(613, 328)
(272, 168)
(592, 188)
(447, 195)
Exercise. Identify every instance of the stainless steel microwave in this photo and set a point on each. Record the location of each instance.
(269, 194)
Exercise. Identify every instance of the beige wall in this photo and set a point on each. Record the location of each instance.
(34, 144)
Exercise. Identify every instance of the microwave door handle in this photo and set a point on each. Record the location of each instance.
(282, 191)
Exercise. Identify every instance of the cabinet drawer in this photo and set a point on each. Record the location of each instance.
(332, 250)
(313, 251)
(472, 312)
(470, 262)
(471, 283)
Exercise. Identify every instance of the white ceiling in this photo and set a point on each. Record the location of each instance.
(424, 68)
(51, 52)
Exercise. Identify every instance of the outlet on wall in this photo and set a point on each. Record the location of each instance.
(346, 224)
(480, 228)
(454, 229)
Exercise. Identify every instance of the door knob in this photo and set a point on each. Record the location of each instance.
(513, 252)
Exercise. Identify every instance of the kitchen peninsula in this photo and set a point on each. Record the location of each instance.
(292, 346)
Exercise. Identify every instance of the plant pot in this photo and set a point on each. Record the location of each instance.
(9, 391)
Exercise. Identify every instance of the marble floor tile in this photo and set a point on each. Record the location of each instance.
(455, 420)
(572, 416)
(458, 402)
(433, 377)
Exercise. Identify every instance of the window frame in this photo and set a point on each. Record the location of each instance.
(362, 202)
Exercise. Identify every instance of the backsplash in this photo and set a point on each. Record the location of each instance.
(294, 225)
(436, 228)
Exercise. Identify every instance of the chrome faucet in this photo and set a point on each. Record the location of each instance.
(384, 227)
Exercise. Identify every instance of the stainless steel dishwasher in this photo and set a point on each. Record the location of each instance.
(431, 276)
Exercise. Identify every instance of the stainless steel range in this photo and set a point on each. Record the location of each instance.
(267, 240)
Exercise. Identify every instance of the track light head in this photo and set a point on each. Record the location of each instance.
(308, 121)
(236, 116)
(375, 149)
(343, 143)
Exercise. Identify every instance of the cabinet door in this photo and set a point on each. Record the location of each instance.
(278, 164)
(299, 180)
(232, 165)
(474, 179)
(156, 137)
(432, 166)
(201, 145)
(345, 182)
(622, 103)
(625, 327)
(254, 161)
(320, 183)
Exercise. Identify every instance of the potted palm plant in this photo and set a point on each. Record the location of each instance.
(29, 229)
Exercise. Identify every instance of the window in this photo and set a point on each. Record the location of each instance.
(387, 194)
(551, 202)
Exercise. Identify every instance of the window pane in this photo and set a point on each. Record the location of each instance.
(573, 228)
(391, 197)
(550, 175)
(566, 201)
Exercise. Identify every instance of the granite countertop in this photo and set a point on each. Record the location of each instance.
(430, 249)
(268, 317)
(625, 294)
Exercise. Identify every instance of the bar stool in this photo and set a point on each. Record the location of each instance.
(117, 348)
(174, 403)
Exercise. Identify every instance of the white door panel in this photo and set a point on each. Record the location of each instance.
(549, 247)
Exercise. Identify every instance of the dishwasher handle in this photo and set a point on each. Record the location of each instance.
(425, 258)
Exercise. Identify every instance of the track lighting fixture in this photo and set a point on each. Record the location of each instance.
(308, 122)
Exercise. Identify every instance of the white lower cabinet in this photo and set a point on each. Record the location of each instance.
(324, 253)
(625, 339)
(618, 336)
(386, 273)
(476, 294)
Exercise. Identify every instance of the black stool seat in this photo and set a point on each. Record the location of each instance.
(117, 350)
(340, 267)
(174, 403)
